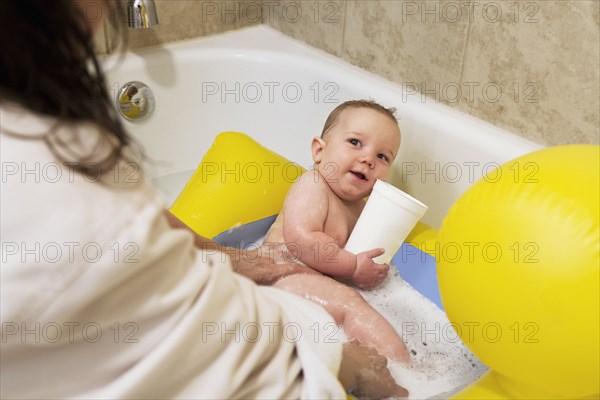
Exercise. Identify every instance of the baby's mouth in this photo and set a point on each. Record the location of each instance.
(359, 175)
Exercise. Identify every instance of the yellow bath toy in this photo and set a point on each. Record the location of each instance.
(519, 275)
(127, 106)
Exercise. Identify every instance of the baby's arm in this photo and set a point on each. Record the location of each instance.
(304, 214)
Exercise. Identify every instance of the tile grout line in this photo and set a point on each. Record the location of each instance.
(464, 52)
(344, 17)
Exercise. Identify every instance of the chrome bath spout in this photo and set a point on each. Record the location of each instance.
(141, 14)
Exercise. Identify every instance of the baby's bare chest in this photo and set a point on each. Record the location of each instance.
(340, 221)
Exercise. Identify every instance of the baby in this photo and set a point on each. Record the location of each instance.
(359, 142)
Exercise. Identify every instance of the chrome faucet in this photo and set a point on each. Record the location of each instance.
(141, 14)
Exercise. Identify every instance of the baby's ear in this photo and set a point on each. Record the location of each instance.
(317, 147)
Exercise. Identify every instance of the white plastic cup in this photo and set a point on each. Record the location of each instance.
(387, 219)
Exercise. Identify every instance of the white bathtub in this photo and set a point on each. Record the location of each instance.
(279, 91)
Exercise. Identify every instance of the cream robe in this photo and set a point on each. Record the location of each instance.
(101, 298)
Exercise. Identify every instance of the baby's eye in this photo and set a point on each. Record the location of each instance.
(354, 142)
(383, 157)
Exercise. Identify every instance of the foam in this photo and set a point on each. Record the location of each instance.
(441, 364)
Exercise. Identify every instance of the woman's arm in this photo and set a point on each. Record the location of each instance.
(255, 264)
(363, 372)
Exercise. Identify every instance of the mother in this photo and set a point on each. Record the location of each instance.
(106, 295)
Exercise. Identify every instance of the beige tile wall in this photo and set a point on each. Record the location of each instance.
(547, 66)
(531, 67)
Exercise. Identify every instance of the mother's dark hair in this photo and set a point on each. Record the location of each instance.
(49, 65)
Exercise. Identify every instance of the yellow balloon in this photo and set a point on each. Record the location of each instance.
(518, 271)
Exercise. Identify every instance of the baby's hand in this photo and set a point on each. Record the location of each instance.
(369, 274)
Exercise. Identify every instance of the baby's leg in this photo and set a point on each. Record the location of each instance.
(349, 309)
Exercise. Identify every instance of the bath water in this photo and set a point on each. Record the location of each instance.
(441, 364)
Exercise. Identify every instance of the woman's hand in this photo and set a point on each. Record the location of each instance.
(265, 265)
(260, 264)
(364, 374)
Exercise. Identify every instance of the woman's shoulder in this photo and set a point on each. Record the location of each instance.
(40, 188)
(19, 121)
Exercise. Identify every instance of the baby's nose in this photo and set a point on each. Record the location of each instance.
(368, 159)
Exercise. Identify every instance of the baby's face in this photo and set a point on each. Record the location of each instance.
(357, 150)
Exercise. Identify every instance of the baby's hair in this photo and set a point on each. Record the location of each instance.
(333, 116)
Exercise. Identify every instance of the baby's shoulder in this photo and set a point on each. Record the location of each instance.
(309, 187)
(310, 175)
(310, 180)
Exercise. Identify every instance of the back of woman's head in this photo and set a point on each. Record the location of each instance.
(49, 65)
